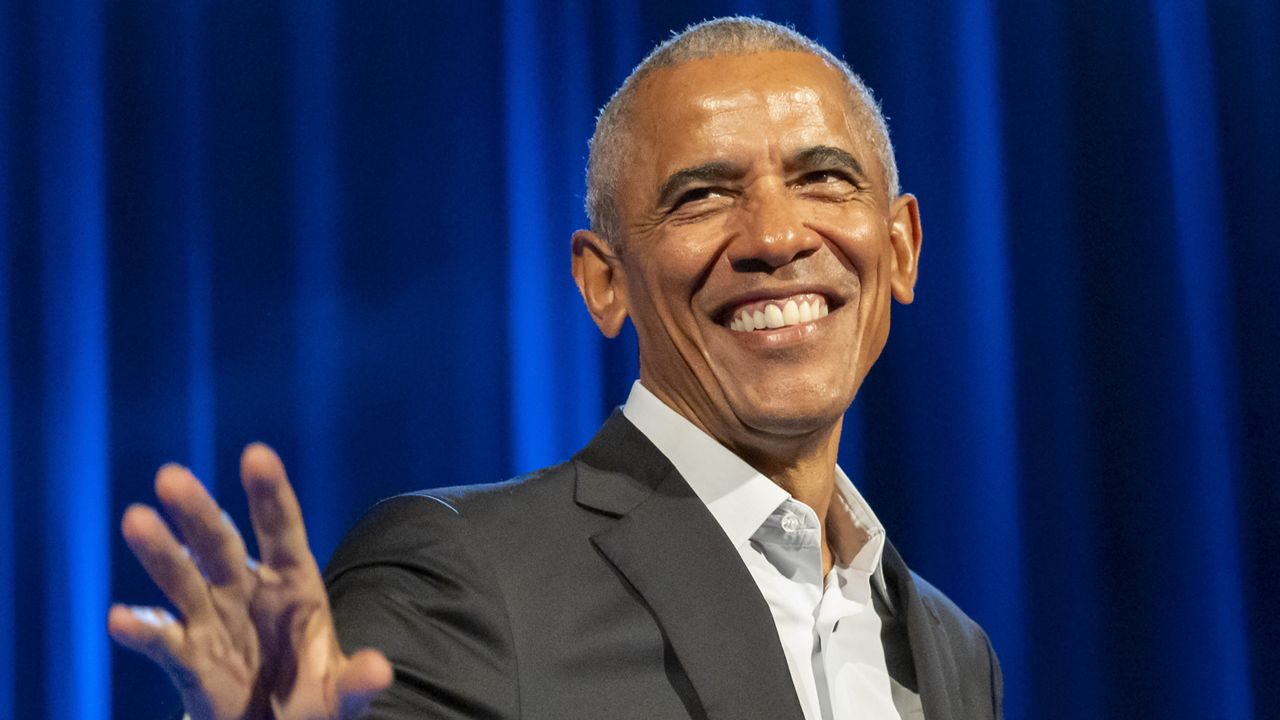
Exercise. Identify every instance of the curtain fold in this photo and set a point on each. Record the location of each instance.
(343, 228)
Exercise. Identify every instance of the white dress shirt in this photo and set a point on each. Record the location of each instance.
(828, 626)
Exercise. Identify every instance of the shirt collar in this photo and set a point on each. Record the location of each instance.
(856, 523)
(739, 497)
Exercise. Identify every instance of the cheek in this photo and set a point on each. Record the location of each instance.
(680, 265)
(861, 244)
(660, 308)
(683, 262)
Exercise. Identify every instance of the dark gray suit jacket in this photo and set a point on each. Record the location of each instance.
(600, 588)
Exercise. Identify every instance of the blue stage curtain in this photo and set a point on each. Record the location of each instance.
(343, 228)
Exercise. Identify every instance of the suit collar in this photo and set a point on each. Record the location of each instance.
(618, 469)
(931, 652)
(669, 547)
(675, 555)
(739, 497)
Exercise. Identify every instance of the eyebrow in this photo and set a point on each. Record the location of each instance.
(818, 156)
(714, 171)
(825, 156)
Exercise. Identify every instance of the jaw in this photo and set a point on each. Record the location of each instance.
(777, 386)
(788, 399)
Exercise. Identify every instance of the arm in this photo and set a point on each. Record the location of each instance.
(254, 639)
(409, 580)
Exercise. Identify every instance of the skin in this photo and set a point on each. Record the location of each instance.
(750, 182)
(255, 640)
(753, 182)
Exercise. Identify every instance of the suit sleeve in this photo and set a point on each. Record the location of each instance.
(407, 581)
(997, 683)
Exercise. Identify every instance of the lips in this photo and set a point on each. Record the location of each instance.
(776, 313)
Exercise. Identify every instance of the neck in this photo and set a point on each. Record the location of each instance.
(803, 464)
(808, 472)
(805, 467)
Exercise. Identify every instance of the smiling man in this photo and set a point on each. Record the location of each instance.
(704, 556)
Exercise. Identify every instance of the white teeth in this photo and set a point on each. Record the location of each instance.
(790, 313)
(777, 314)
(772, 316)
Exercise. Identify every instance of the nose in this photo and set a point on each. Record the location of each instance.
(772, 232)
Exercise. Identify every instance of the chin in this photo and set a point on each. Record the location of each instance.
(792, 409)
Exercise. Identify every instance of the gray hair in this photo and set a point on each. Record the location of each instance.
(610, 150)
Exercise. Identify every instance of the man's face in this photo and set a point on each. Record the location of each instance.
(760, 248)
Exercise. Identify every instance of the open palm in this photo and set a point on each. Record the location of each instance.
(255, 639)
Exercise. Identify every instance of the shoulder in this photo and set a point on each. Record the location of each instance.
(965, 629)
(974, 654)
(421, 578)
(424, 523)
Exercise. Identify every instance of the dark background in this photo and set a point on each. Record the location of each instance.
(343, 228)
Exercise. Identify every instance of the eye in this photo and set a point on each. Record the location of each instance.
(827, 185)
(696, 194)
(825, 177)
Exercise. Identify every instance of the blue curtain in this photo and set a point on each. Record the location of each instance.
(342, 228)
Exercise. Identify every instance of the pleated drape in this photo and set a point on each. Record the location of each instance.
(343, 228)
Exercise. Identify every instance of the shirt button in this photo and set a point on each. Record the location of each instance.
(790, 523)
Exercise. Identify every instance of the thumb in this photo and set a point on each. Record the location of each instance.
(365, 674)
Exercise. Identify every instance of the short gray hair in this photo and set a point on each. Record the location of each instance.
(610, 149)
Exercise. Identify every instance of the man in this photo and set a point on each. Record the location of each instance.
(704, 556)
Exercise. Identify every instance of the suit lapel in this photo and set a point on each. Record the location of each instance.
(936, 671)
(669, 547)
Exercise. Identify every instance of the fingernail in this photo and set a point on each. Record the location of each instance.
(152, 616)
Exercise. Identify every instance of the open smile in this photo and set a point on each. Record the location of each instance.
(776, 313)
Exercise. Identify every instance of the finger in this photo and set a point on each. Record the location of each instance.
(165, 560)
(147, 630)
(365, 674)
(277, 519)
(218, 548)
(155, 633)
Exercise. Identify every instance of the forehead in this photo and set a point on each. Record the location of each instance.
(734, 103)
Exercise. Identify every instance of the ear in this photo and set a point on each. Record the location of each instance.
(598, 274)
(904, 240)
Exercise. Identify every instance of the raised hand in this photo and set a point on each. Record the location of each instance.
(255, 639)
